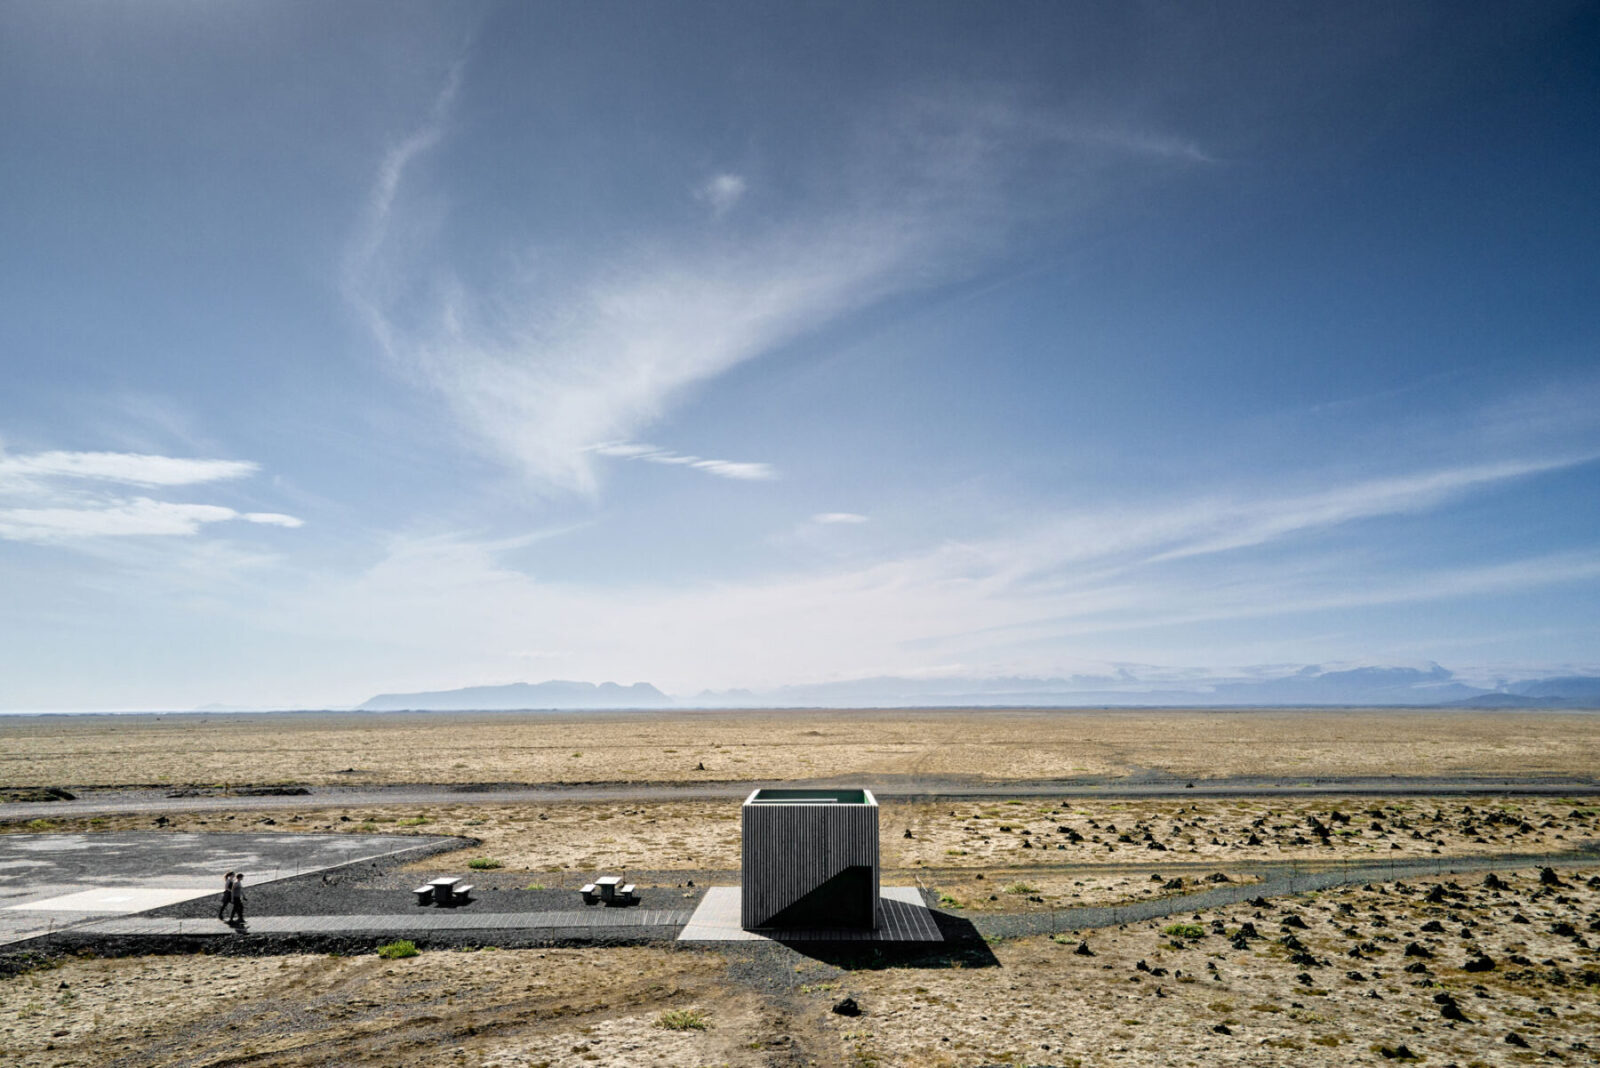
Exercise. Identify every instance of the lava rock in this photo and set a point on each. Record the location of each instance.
(847, 1007)
(1448, 1007)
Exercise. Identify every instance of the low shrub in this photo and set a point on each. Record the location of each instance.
(396, 950)
(483, 863)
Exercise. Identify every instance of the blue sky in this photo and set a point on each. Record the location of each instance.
(370, 347)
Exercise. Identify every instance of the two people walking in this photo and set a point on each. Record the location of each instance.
(233, 896)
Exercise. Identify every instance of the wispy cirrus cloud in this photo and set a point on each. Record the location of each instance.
(1023, 600)
(60, 496)
(137, 469)
(838, 518)
(137, 516)
(741, 470)
(1240, 524)
(539, 367)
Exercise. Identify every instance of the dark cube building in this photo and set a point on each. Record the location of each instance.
(810, 859)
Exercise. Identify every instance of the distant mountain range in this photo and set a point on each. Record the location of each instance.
(552, 695)
(1366, 686)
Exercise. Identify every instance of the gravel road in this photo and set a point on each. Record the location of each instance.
(98, 802)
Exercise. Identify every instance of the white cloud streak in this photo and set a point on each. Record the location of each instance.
(47, 502)
(136, 469)
(138, 516)
(741, 470)
(838, 518)
(273, 519)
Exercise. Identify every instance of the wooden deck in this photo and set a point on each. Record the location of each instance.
(904, 918)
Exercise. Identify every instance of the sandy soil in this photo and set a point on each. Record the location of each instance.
(698, 836)
(1338, 990)
(350, 749)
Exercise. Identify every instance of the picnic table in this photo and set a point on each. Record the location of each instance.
(445, 890)
(609, 890)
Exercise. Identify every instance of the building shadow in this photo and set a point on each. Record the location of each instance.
(962, 947)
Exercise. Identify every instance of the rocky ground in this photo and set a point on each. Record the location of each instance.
(1465, 971)
(690, 835)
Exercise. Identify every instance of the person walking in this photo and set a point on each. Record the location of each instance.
(227, 895)
(237, 916)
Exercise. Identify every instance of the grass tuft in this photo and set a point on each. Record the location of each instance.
(483, 863)
(397, 950)
(682, 1020)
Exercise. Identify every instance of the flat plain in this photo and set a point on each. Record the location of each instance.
(681, 747)
(1382, 971)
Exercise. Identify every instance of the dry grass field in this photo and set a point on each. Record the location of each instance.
(1328, 979)
(351, 749)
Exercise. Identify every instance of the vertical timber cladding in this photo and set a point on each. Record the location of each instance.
(810, 859)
